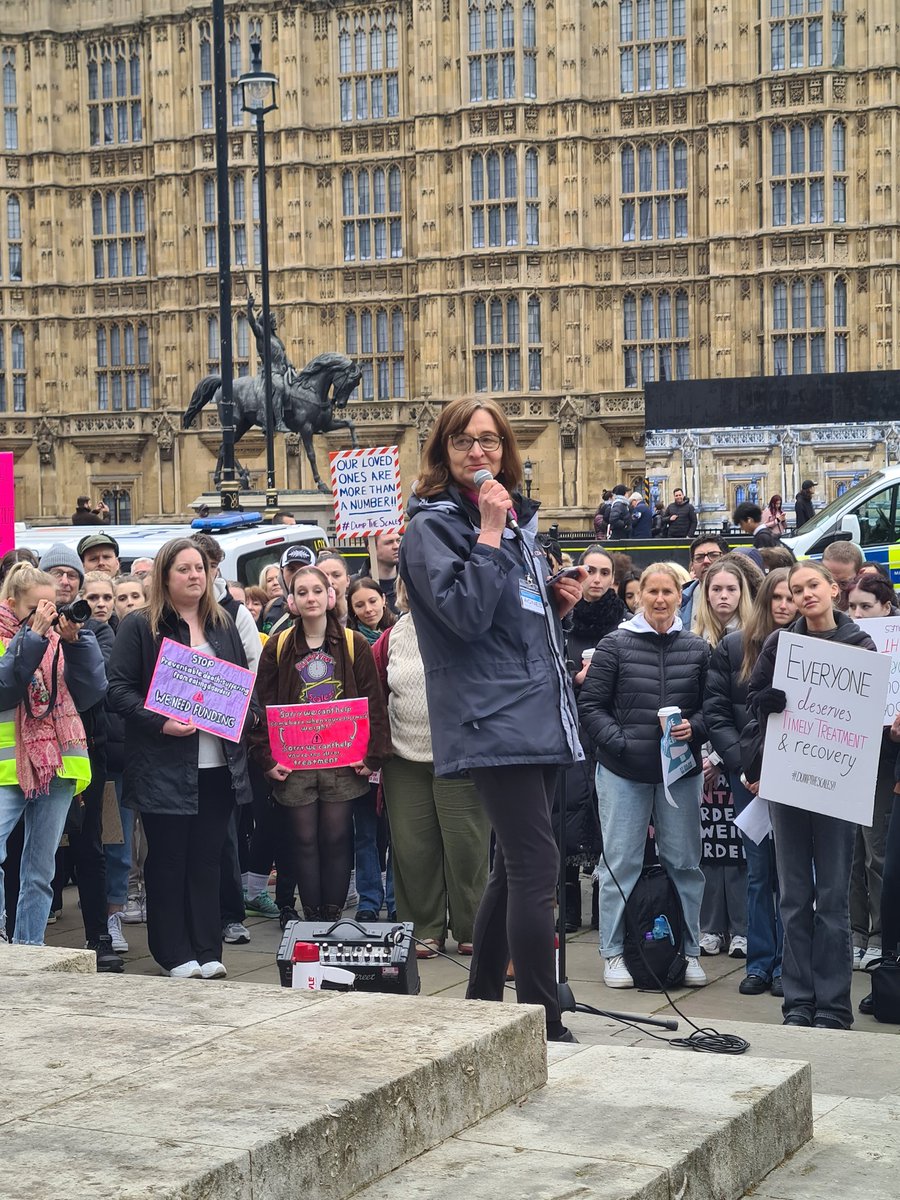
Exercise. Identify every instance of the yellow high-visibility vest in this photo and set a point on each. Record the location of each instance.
(75, 762)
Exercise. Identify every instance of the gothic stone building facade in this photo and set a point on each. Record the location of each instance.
(546, 201)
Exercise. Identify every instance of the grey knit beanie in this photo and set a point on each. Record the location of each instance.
(60, 555)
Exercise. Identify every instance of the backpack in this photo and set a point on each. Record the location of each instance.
(619, 518)
(652, 898)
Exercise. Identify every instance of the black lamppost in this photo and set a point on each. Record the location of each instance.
(228, 486)
(528, 473)
(258, 89)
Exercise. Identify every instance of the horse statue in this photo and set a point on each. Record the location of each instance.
(309, 404)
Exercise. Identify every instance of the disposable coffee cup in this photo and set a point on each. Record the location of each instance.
(671, 711)
(587, 655)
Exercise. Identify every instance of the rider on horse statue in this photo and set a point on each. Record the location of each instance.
(284, 376)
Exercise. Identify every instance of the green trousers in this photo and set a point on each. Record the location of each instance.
(440, 840)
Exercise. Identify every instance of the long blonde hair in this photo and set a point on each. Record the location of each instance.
(705, 623)
(209, 611)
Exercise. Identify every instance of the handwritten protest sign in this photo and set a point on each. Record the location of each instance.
(366, 488)
(821, 753)
(210, 692)
(720, 838)
(310, 737)
(885, 633)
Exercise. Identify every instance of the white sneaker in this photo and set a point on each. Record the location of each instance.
(236, 934)
(616, 974)
(135, 911)
(710, 943)
(213, 970)
(737, 947)
(871, 954)
(858, 953)
(695, 976)
(114, 929)
(188, 970)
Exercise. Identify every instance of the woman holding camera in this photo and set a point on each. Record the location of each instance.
(43, 750)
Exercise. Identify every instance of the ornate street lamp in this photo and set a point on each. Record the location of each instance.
(258, 91)
(528, 474)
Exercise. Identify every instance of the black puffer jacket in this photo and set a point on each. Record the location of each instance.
(725, 703)
(635, 672)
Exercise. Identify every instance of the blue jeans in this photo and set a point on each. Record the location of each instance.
(372, 893)
(45, 820)
(764, 932)
(118, 857)
(627, 808)
(814, 855)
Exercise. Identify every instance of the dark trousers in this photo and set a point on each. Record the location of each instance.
(182, 875)
(87, 857)
(515, 917)
(890, 892)
(231, 892)
(813, 854)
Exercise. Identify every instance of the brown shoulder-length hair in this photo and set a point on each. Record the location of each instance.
(434, 475)
(210, 611)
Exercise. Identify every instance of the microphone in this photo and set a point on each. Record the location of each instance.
(482, 477)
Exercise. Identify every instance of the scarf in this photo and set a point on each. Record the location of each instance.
(594, 619)
(371, 635)
(42, 739)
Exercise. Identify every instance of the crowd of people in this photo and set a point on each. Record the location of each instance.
(621, 514)
(496, 672)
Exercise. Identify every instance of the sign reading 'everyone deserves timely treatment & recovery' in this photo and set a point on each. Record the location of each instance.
(210, 692)
(821, 753)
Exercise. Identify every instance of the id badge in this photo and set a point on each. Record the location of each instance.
(530, 597)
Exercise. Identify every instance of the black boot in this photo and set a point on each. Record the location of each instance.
(311, 914)
(331, 912)
(287, 915)
(108, 962)
(573, 906)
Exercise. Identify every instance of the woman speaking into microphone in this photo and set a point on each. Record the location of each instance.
(499, 697)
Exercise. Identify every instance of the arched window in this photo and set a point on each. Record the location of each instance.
(655, 346)
(368, 80)
(658, 47)
(377, 230)
(14, 237)
(376, 341)
(213, 348)
(10, 100)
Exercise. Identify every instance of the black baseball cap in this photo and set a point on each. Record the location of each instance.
(808, 483)
(297, 555)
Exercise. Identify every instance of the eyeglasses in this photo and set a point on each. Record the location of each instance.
(62, 573)
(463, 442)
(709, 554)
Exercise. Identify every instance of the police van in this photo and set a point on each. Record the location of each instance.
(248, 544)
(868, 514)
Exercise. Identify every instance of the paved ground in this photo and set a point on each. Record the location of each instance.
(856, 1093)
(718, 1003)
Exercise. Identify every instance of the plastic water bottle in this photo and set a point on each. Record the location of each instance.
(306, 972)
(662, 930)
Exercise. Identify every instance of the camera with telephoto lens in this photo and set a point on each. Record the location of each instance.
(78, 611)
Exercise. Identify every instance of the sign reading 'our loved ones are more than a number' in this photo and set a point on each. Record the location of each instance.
(821, 753)
(209, 692)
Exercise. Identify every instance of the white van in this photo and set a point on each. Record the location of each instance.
(249, 546)
(868, 514)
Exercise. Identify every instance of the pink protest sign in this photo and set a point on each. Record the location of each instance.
(7, 503)
(212, 693)
(310, 737)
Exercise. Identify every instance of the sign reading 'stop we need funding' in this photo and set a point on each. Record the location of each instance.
(366, 488)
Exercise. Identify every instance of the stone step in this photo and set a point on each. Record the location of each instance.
(240, 1091)
(28, 960)
(854, 1153)
(623, 1124)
